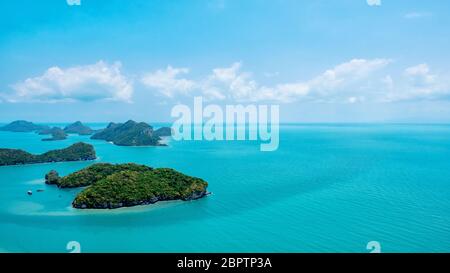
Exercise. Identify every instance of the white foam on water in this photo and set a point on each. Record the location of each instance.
(36, 209)
(36, 182)
(135, 209)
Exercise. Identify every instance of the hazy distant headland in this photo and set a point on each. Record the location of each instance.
(23, 126)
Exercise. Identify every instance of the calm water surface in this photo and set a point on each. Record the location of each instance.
(328, 188)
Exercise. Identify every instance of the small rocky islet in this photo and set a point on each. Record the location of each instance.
(112, 186)
(56, 133)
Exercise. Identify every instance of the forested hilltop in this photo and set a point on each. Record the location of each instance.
(124, 185)
(76, 152)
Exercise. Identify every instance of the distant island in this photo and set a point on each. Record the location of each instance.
(57, 134)
(132, 133)
(125, 185)
(23, 126)
(78, 128)
(76, 152)
(163, 132)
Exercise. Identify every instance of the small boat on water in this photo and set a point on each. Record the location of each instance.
(29, 192)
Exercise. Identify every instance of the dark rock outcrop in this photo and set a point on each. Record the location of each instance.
(52, 178)
(57, 134)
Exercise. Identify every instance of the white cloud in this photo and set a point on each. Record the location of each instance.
(352, 99)
(336, 84)
(287, 92)
(230, 81)
(237, 84)
(234, 84)
(167, 82)
(420, 75)
(98, 81)
(416, 15)
(419, 83)
(330, 85)
(373, 2)
(73, 2)
(346, 78)
(388, 82)
(355, 81)
(212, 93)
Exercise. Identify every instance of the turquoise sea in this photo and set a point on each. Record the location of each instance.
(328, 188)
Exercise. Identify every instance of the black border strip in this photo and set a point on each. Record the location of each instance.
(286, 262)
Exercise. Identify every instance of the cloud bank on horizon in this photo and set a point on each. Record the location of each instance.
(358, 80)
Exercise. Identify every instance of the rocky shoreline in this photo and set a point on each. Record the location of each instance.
(192, 197)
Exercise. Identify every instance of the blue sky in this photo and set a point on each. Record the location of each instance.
(321, 61)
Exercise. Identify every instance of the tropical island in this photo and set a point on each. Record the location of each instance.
(112, 186)
(76, 152)
(78, 128)
(23, 126)
(132, 133)
(55, 132)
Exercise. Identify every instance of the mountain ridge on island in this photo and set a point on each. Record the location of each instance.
(78, 128)
(132, 133)
(77, 152)
(112, 186)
